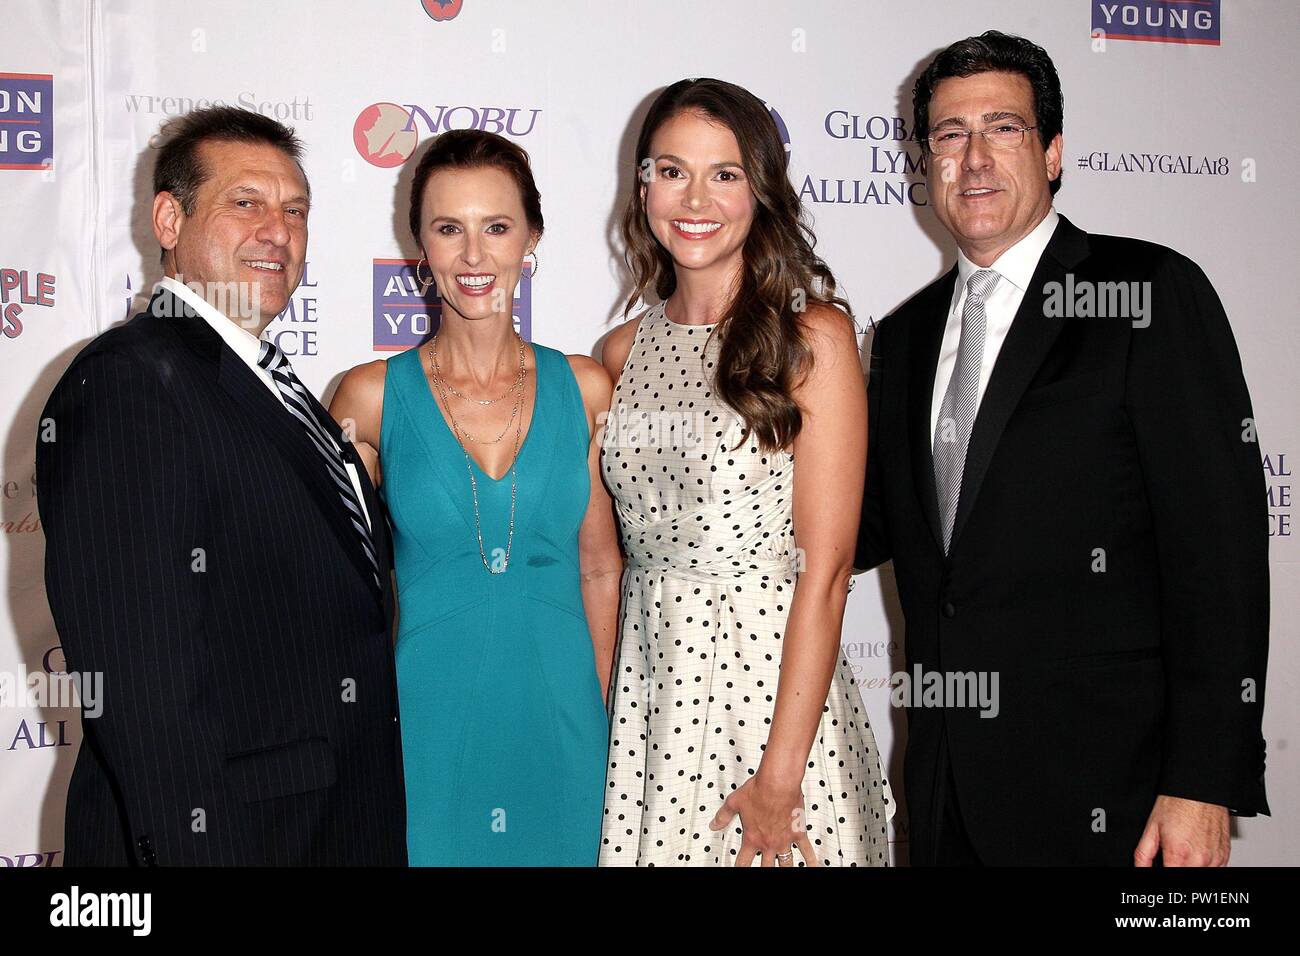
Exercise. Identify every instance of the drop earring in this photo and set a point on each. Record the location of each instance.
(424, 283)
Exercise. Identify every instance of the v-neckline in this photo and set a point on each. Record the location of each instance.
(446, 425)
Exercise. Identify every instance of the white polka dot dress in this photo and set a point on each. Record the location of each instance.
(707, 524)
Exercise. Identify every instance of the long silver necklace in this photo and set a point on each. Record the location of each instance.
(469, 466)
(519, 379)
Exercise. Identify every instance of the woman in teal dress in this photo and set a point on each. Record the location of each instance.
(506, 550)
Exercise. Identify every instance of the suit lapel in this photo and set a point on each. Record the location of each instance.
(374, 505)
(1031, 335)
(290, 439)
(925, 333)
(373, 509)
(379, 533)
(380, 538)
(269, 416)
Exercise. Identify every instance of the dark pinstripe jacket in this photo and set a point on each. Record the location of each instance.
(200, 558)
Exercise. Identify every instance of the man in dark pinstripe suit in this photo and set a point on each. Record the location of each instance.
(215, 551)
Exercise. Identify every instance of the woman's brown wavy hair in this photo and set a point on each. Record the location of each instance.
(762, 352)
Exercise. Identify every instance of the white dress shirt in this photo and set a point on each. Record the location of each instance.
(1016, 267)
(247, 346)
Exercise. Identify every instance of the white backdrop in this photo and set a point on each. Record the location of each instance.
(1181, 143)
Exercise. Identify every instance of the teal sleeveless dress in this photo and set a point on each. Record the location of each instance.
(504, 733)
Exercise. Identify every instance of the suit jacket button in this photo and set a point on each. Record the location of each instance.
(147, 855)
(949, 609)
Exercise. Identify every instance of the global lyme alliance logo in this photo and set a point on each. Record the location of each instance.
(386, 134)
(26, 120)
(885, 155)
(405, 315)
(1157, 21)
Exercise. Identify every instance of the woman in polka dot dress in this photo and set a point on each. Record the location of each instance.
(735, 451)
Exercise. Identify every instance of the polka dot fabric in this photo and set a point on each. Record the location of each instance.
(707, 523)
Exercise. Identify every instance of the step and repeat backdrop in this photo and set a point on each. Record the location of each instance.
(1176, 130)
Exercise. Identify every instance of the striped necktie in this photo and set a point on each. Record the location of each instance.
(961, 401)
(299, 405)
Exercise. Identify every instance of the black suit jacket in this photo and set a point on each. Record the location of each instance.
(199, 556)
(1109, 561)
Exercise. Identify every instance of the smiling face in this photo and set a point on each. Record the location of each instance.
(246, 238)
(699, 203)
(475, 234)
(990, 198)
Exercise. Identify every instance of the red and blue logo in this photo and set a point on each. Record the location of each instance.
(406, 314)
(442, 9)
(386, 134)
(26, 120)
(1158, 21)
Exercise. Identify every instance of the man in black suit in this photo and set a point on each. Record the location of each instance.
(1063, 467)
(215, 551)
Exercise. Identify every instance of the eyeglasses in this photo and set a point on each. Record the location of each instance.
(1004, 136)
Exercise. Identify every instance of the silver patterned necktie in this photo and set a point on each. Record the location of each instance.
(295, 400)
(957, 411)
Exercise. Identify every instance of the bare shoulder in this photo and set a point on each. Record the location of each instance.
(363, 384)
(618, 345)
(828, 327)
(832, 341)
(593, 381)
(360, 397)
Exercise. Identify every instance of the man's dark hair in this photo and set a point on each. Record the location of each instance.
(179, 169)
(994, 52)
